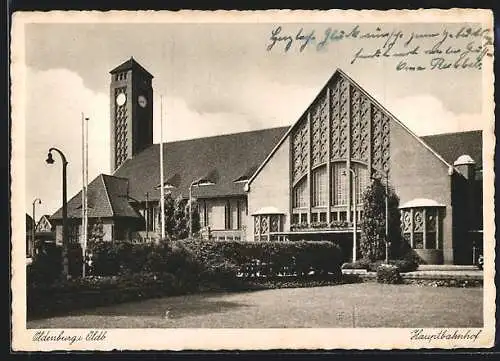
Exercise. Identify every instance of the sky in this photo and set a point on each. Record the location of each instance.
(215, 79)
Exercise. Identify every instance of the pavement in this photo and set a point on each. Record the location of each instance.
(433, 272)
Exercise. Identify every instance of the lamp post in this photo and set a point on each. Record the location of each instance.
(33, 230)
(147, 215)
(355, 222)
(190, 206)
(50, 160)
(198, 183)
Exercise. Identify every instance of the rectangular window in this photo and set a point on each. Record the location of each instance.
(314, 217)
(303, 218)
(216, 215)
(322, 217)
(201, 212)
(320, 189)
(418, 240)
(430, 240)
(295, 218)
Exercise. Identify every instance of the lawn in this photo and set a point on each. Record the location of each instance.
(350, 305)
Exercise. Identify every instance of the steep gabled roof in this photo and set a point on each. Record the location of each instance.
(106, 197)
(44, 221)
(224, 159)
(128, 65)
(453, 145)
(336, 74)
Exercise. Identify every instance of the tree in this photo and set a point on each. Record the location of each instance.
(373, 242)
(177, 217)
(95, 232)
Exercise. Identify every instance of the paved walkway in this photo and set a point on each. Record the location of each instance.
(438, 272)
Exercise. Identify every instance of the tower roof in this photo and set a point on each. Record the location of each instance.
(130, 64)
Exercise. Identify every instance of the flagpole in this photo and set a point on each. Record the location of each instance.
(82, 241)
(86, 192)
(162, 188)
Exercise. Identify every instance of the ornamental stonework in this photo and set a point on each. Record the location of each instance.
(300, 150)
(418, 220)
(360, 130)
(121, 117)
(343, 118)
(380, 140)
(406, 222)
(275, 223)
(319, 125)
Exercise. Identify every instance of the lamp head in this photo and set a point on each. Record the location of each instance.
(49, 159)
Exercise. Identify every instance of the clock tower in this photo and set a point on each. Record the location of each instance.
(131, 107)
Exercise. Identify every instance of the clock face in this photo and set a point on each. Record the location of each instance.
(142, 101)
(120, 99)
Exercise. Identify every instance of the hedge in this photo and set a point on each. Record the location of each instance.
(267, 259)
(220, 260)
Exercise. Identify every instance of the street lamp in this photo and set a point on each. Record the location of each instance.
(32, 245)
(198, 183)
(147, 215)
(50, 160)
(386, 194)
(355, 222)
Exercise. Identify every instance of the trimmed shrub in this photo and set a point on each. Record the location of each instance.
(266, 259)
(405, 265)
(389, 274)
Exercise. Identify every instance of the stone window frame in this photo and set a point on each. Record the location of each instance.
(267, 224)
(422, 222)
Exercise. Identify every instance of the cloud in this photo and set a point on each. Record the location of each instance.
(55, 99)
(425, 114)
(258, 104)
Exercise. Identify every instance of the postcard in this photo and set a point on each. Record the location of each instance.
(252, 180)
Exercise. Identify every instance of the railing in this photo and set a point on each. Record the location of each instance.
(224, 235)
(323, 226)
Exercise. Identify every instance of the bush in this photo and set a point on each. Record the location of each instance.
(266, 259)
(47, 264)
(389, 274)
(122, 258)
(405, 265)
(355, 265)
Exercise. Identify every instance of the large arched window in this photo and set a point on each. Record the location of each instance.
(300, 194)
(320, 187)
(362, 181)
(339, 184)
